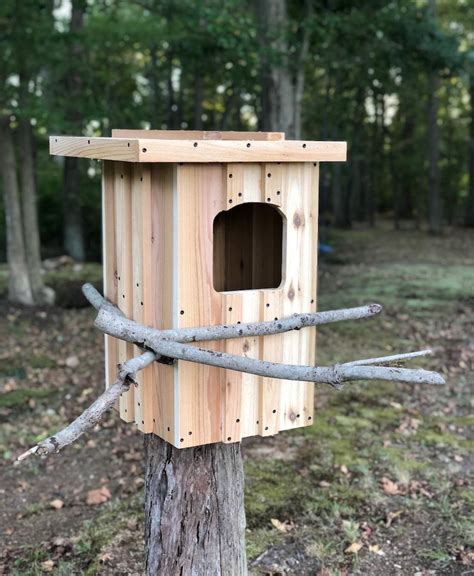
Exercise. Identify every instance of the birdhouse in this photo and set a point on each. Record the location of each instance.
(206, 228)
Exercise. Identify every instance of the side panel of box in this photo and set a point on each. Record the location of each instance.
(299, 196)
(199, 197)
(109, 263)
(161, 292)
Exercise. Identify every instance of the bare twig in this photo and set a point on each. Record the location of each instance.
(94, 414)
(165, 344)
(389, 359)
(335, 376)
(129, 330)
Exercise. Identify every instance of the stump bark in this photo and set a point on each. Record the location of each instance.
(194, 510)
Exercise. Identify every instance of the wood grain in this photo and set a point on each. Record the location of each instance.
(197, 135)
(199, 197)
(177, 255)
(156, 150)
(161, 293)
(109, 263)
(123, 245)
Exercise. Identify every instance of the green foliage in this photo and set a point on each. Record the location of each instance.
(194, 64)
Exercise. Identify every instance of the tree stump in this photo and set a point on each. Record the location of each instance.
(194, 510)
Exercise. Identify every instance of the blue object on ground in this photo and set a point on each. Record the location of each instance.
(325, 248)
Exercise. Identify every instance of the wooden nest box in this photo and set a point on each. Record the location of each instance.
(204, 229)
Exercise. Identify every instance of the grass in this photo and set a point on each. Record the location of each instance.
(327, 480)
(332, 485)
(85, 552)
(21, 396)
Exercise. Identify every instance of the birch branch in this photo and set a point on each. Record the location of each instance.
(94, 414)
(165, 344)
(389, 359)
(335, 376)
(133, 332)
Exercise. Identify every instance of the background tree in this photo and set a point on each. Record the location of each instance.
(322, 69)
(20, 78)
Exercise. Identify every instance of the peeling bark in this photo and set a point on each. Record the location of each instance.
(194, 510)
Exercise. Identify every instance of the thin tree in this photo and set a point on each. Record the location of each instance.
(469, 218)
(434, 190)
(19, 286)
(282, 74)
(72, 219)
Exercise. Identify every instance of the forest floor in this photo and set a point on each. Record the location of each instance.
(381, 484)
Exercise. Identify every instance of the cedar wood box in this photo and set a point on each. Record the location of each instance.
(205, 228)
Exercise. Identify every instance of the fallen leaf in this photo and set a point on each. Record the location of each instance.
(22, 485)
(282, 526)
(375, 549)
(366, 530)
(344, 469)
(57, 504)
(98, 496)
(389, 487)
(9, 531)
(458, 458)
(72, 361)
(105, 557)
(47, 566)
(353, 548)
(408, 426)
(391, 516)
(324, 484)
(58, 542)
(467, 557)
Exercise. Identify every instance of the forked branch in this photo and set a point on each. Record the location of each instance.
(163, 345)
(94, 414)
(172, 344)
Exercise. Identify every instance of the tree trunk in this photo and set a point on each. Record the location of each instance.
(198, 98)
(282, 94)
(155, 92)
(41, 294)
(434, 203)
(469, 218)
(19, 287)
(194, 510)
(338, 200)
(73, 232)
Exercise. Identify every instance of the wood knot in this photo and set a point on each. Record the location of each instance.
(246, 346)
(298, 220)
(291, 292)
(292, 416)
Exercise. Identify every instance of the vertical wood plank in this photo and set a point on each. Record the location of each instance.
(200, 196)
(141, 267)
(109, 258)
(299, 295)
(123, 236)
(241, 401)
(160, 293)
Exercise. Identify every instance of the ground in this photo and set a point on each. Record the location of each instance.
(380, 484)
